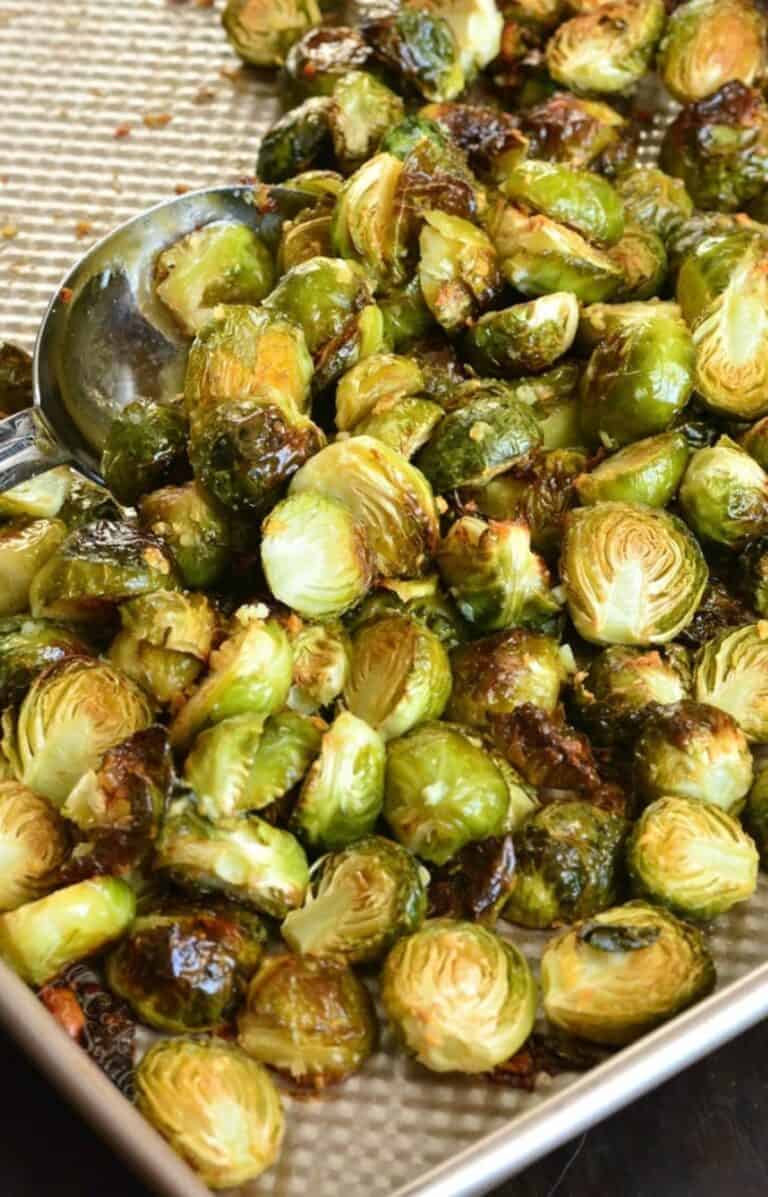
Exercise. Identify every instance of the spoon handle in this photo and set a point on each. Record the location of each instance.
(28, 447)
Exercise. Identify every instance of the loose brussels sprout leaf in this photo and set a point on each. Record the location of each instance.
(606, 50)
(632, 574)
(342, 795)
(25, 547)
(461, 999)
(41, 938)
(244, 858)
(526, 337)
(693, 750)
(572, 130)
(724, 495)
(33, 844)
(41, 497)
(458, 269)
(614, 996)
(72, 713)
(363, 110)
(319, 296)
(642, 257)
(315, 555)
(390, 500)
(708, 43)
(380, 377)
(495, 579)
(654, 200)
(422, 600)
(580, 199)
(219, 1110)
(311, 1020)
(87, 501)
(648, 471)
(262, 33)
(365, 222)
(495, 675)
(476, 442)
(732, 673)
(186, 968)
(320, 665)
(692, 858)
(405, 425)
(15, 379)
(537, 491)
(250, 674)
(443, 790)
(322, 57)
(194, 528)
(613, 696)
(360, 901)
(27, 646)
(146, 446)
(296, 141)
(756, 813)
(476, 883)
(568, 864)
(420, 46)
(399, 674)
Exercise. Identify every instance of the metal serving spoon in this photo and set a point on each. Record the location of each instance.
(106, 339)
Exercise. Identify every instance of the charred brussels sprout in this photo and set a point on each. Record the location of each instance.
(320, 665)
(323, 56)
(342, 794)
(194, 528)
(296, 141)
(15, 379)
(526, 337)
(692, 858)
(572, 130)
(495, 675)
(420, 46)
(654, 200)
(165, 642)
(632, 574)
(732, 674)
(448, 980)
(476, 26)
(360, 900)
(481, 131)
(186, 968)
(27, 646)
(580, 199)
(476, 442)
(724, 495)
(613, 696)
(458, 269)
(648, 471)
(25, 547)
(33, 844)
(382, 377)
(41, 938)
(362, 111)
(607, 50)
(399, 674)
(619, 975)
(146, 446)
(219, 1110)
(708, 43)
(263, 31)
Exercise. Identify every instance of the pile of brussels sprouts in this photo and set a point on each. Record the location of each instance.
(439, 597)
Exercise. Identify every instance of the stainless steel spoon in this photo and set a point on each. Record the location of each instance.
(106, 339)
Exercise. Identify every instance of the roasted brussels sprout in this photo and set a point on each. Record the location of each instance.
(405, 425)
(27, 646)
(693, 750)
(580, 199)
(643, 259)
(755, 442)
(614, 694)
(319, 296)
(320, 665)
(25, 547)
(524, 338)
(323, 56)
(538, 490)
(691, 857)
(632, 574)
(165, 642)
(420, 46)
(308, 236)
(219, 1110)
(33, 844)
(423, 600)
(709, 43)
(648, 471)
(620, 974)
(360, 900)
(724, 495)
(458, 269)
(608, 49)
(568, 864)
(654, 200)
(380, 377)
(41, 938)
(15, 379)
(406, 317)
(193, 527)
(756, 812)
(308, 1018)
(482, 132)
(572, 130)
(186, 968)
(296, 141)
(732, 673)
(495, 675)
(41, 497)
(362, 111)
(365, 228)
(262, 33)
(476, 442)
(342, 795)
(447, 980)
(146, 446)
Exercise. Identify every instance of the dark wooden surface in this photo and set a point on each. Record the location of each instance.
(701, 1135)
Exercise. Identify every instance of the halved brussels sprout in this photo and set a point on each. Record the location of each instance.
(732, 673)
(244, 858)
(41, 938)
(571, 130)
(193, 527)
(643, 259)
(692, 858)
(27, 646)
(72, 713)
(308, 236)
(526, 337)
(165, 642)
(25, 547)
(458, 269)
(399, 674)
(360, 900)
(537, 491)
(33, 844)
(619, 975)
(654, 200)
(310, 1019)
(495, 579)
(250, 674)
(461, 999)
(702, 226)
(146, 446)
(423, 600)
(342, 795)
(708, 43)
(632, 574)
(365, 223)
(380, 377)
(724, 495)
(15, 379)
(322, 57)
(608, 49)
(295, 142)
(613, 696)
(405, 425)
(476, 442)
(693, 750)
(580, 199)
(568, 864)
(647, 471)
(219, 1110)
(476, 25)
(315, 555)
(185, 968)
(262, 33)
(41, 497)
(495, 675)
(552, 398)
(320, 665)
(319, 296)
(362, 111)
(420, 46)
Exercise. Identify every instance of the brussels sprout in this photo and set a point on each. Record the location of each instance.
(708, 43)
(319, 296)
(362, 111)
(632, 574)
(752, 568)
(551, 396)
(165, 642)
(342, 795)
(420, 46)
(731, 673)
(296, 141)
(15, 379)
(219, 1110)
(146, 446)
(537, 491)
(27, 646)
(458, 270)
(33, 844)
(365, 225)
(495, 579)
(323, 56)
(648, 471)
(380, 377)
(693, 750)
(755, 442)
(526, 337)
(476, 25)
(483, 133)
(572, 130)
(360, 900)
(724, 495)
(87, 501)
(613, 696)
(461, 999)
(311, 1020)
(539, 256)
(193, 527)
(476, 442)
(320, 665)
(263, 33)
(702, 226)
(568, 864)
(405, 425)
(642, 257)
(606, 50)
(692, 858)
(72, 713)
(435, 174)
(611, 979)
(405, 314)
(598, 321)
(718, 146)
(41, 497)
(756, 812)
(244, 858)
(43, 937)
(578, 198)
(25, 547)
(423, 600)
(186, 968)
(391, 501)
(495, 675)
(309, 236)
(654, 200)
